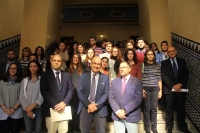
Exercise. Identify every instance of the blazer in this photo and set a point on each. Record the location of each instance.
(101, 93)
(50, 92)
(168, 76)
(130, 100)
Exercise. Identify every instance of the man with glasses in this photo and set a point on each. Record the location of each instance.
(93, 95)
(125, 97)
(162, 55)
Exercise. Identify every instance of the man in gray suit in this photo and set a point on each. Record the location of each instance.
(93, 95)
(125, 96)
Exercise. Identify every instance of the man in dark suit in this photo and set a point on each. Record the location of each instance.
(93, 95)
(175, 76)
(4, 65)
(125, 97)
(57, 90)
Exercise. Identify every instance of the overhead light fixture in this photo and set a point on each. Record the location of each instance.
(101, 35)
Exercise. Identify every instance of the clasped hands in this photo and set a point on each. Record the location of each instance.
(9, 111)
(60, 107)
(92, 107)
(29, 111)
(177, 87)
(121, 114)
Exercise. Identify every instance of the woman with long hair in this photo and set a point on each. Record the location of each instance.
(131, 57)
(129, 44)
(10, 111)
(76, 70)
(31, 98)
(114, 62)
(152, 90)
(104, 65)
(154, 47)
(26, 52)
(90, 54)
(81, 51)
(39, 52)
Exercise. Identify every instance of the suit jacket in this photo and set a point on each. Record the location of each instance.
(130, 100)
(101, 93)
(50, 92)
(168, 76)
(159, 58)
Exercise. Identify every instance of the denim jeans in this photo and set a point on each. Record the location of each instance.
(150, 107)
(35, 123)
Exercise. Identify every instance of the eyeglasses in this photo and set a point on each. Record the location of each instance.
(12, 68)
(123, 67)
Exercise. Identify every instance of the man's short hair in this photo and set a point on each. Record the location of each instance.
(140, 38)
(164, 42)
(11, 50)
(126, 63)
(108, 43)
(92, 37)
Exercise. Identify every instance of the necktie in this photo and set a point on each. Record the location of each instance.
(58, 80)
(175, 69)
(166, 57)
(123, 85)
(92, 88)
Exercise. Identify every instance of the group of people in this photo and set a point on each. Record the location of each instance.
(92, 80)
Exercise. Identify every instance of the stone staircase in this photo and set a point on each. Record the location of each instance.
(161, 127)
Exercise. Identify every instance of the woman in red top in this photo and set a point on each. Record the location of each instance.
(131, 57)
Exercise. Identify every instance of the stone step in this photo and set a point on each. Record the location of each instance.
(161, 125)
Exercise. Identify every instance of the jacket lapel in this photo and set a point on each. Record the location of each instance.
(52, 77)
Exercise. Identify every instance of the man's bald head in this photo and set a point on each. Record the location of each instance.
(56, 62)
(172, 52)
(96, 64)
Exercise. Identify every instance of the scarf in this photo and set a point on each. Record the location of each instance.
(11, 81)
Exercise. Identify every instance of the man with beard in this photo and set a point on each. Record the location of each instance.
(93, 45)
(162, 55)
(4, 65)
(141, 50)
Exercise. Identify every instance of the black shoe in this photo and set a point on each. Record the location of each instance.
(169, 130)
(154, 131)
(187, 131)
(77, 128)
(148, 131)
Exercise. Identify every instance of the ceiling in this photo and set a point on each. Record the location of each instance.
(104, 11)
(97, 2)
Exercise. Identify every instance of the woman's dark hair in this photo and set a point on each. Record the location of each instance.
(80, 44)
(134, 55)
(28, 72)
(18, 74)
(155, 45)
(107, 68)
(42, 54)
(145, 57)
